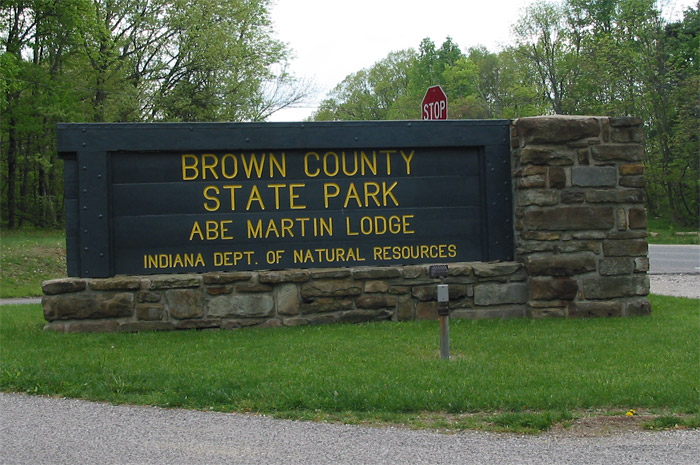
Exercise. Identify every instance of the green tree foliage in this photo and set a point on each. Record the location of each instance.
(604, 57)
(124, 60)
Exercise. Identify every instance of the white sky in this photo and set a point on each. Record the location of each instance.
(331, 39)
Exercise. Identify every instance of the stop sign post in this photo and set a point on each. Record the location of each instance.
(434, 104)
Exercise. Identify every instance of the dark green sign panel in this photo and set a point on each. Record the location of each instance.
(172, 198)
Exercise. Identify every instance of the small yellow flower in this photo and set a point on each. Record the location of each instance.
(631, 412)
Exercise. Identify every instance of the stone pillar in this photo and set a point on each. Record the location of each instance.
(579, 215)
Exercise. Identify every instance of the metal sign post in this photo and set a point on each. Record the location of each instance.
(443, 298)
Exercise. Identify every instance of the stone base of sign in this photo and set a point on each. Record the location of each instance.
(281, 298)
(580, 251)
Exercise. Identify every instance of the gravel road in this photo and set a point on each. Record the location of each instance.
(61, 431)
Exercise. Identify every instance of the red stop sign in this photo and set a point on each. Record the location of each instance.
(434, 104)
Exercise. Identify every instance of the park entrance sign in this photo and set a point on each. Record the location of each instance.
(180, 198)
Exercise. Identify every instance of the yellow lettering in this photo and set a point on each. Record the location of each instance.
(293, 196)
(253, 164)
(373, 194)
(255, 197)
(371, 164)
(255, 230)
(306, 165)
(216, 204)
(352, 194)
(209, 163)
(281, 167)
(234, 166)
(327, 192)
(407, 159)
(190, 171)
(196, 229)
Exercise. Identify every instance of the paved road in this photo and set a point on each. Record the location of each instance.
(60, 431)
(665, 259)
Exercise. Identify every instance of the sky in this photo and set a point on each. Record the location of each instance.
(330, 39)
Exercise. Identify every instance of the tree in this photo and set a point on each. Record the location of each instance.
(125, 60)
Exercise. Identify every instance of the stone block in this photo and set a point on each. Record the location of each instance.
(139, 326)
(595, 309)
(330, 273)
(546, 312)
(594, 176)
(560, 265)
(150, 312)
(497, 294)
(284, 276)
(641, 264)
(490, 270)
(427, 311)
(631, 169)
(556, 129)
(91, 326)
(498, 312)
(404, 309)
(616, 266)
(220, 290)
(609, 287)
(185, 303)
(325, 305)
(569, 218)
(557, 177)
(553, 289)
(206, 323)
(252, 287)
(226, 278)
(362, 316)
(638, 218)
(615, 196)
(88, 306)
(568, 196)
(531, 182)
(621, 219)
(618, 152)
(625, 121)
(428, 292)
(376, 273)
(546, 155)
(376, 286)
(175, 281)
(331, 288)
(633, 181)
(148, 297)
(638, 307)
(63, 286)
(538, 197)
(414, 272)
(625, 248)
(376, 301)
(119, 283)
(287, 299)
(241, 305)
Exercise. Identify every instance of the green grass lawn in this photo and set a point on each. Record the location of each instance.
(28, 257)
(504, 374)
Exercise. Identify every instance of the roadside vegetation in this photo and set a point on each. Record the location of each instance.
(504, 375)
(28, 257)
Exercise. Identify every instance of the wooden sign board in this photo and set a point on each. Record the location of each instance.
(176, 198)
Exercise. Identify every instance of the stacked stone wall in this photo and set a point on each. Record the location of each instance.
(580, 251)
(579, 213)
(280, 298)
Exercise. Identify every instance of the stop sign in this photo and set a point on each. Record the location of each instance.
(434, 104)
